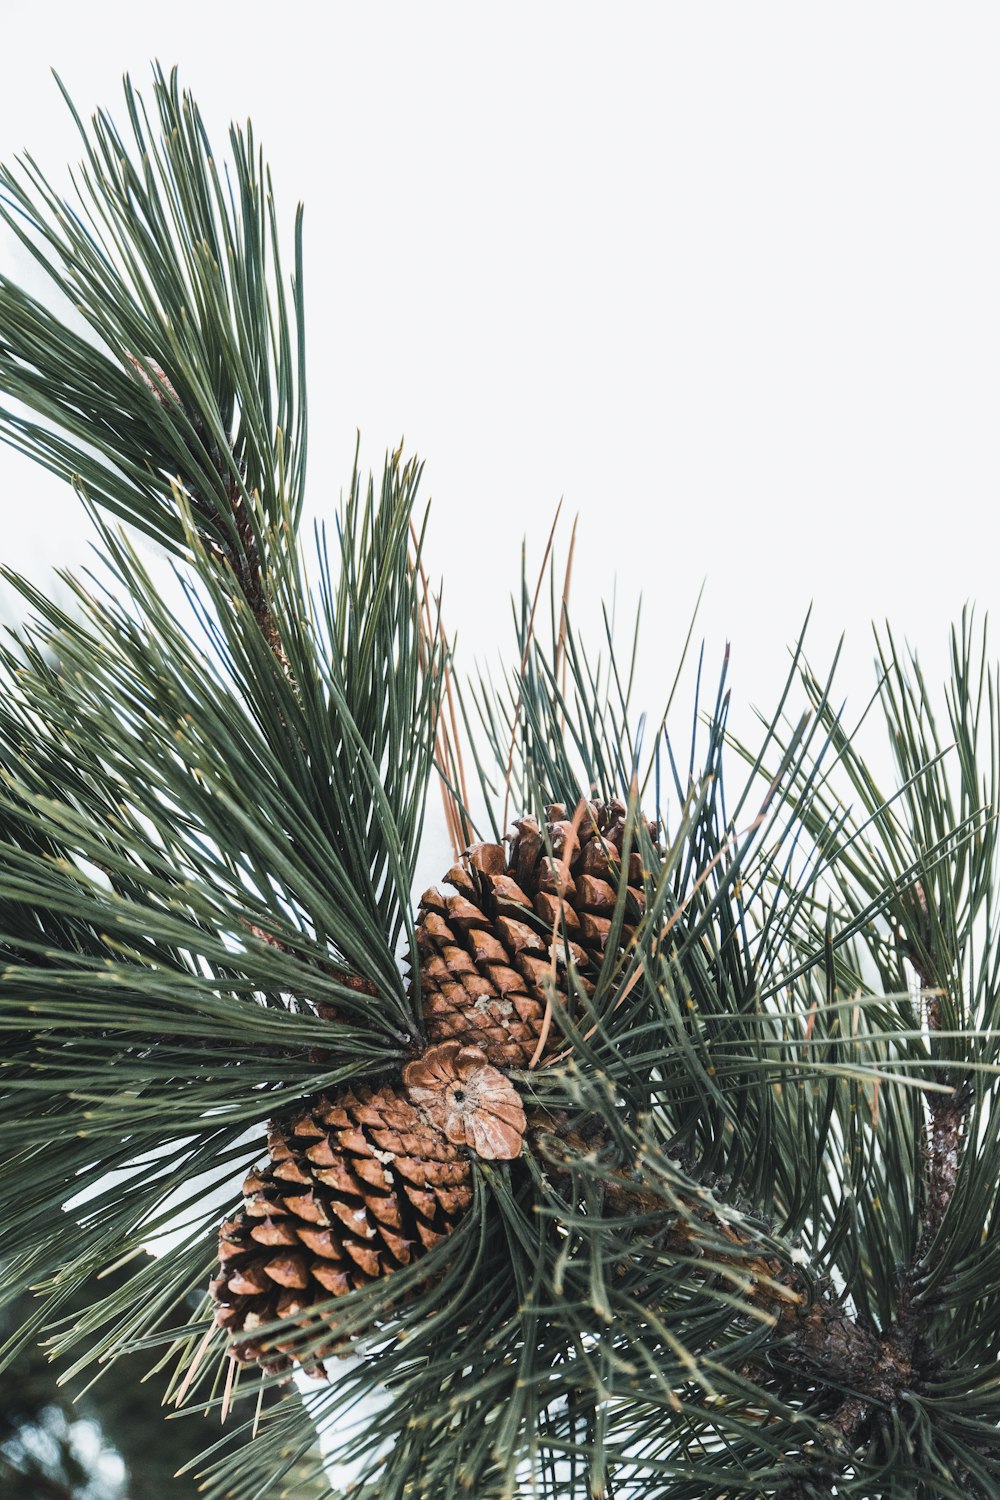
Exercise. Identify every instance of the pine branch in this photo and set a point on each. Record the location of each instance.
(226, 852)
(888, 1367)
(931, 935)
(189, 382)
(750, 1241)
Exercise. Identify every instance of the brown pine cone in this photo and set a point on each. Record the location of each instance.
(486, 951)
(357, 1186)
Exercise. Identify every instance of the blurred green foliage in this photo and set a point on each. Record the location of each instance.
(97, 1440)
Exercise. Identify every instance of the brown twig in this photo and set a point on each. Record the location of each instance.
(823, 1341)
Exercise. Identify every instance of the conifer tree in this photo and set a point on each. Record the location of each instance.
(652, 1153)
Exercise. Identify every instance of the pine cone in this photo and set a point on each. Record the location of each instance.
(486, 951)
(355, 1188)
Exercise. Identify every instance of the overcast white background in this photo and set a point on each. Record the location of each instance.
(724, 276)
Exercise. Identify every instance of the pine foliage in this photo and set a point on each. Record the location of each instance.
(750, 1247)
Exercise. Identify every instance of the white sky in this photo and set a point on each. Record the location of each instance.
(725, 276)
